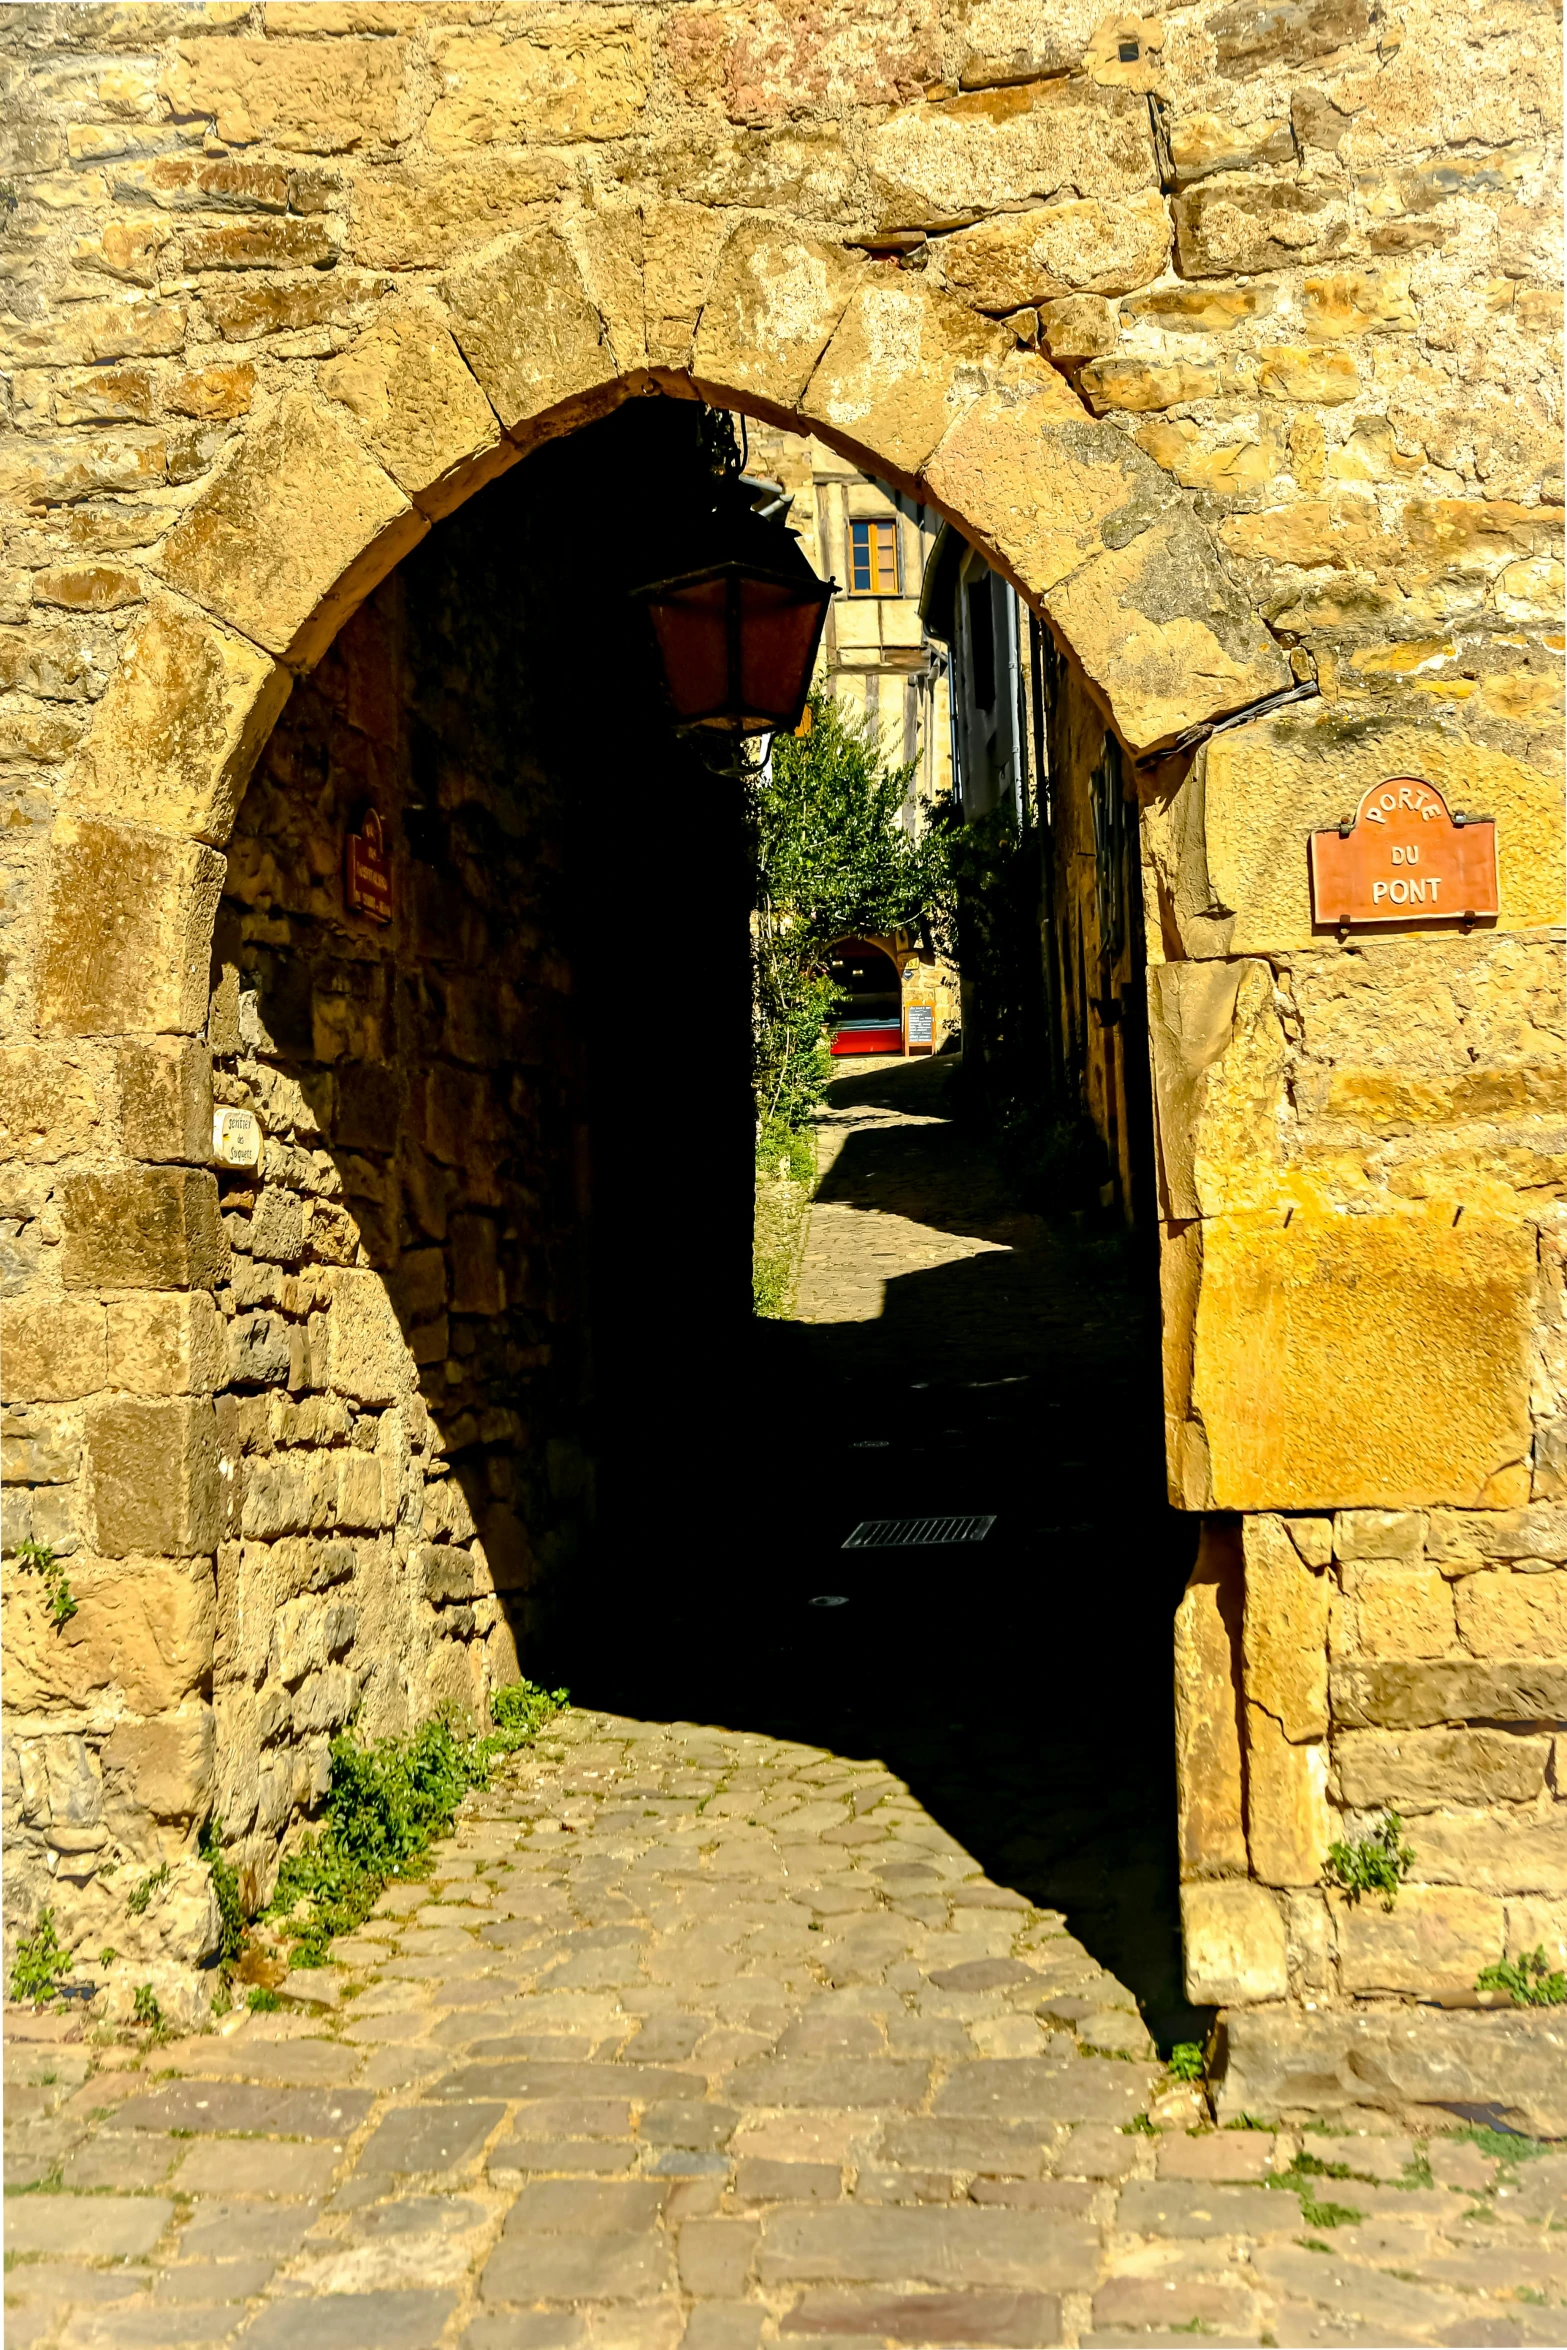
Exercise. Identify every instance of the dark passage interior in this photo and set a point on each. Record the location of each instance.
(523, 1105)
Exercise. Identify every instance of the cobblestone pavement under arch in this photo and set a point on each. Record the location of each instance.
(695, 2040)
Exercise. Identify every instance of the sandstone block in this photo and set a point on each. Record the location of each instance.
(1534, 1924)
(1267, 784)
(165, 1765)
(1463, 1541)
(144, 1629)
(1285, 1631)
(366, 1491)
(153, 1477)
(294, 529)
(1233, 1936)
(1415, 1770)
(39, 1446)
(1288, 1824)
(324, 1701)
(775, 299)
(1431, 1945)
(1496, 1851)
(1363, 1361)
(212, 392)
(680, 248)
(89, 333)
(1009, 41)
(259, 1351)
(125, 932)
(447, 1573)
(1218, 1072)
(1211, 1822)
(175, 737)
(1378, 1534)
(1137, 385)
(1401, 1611)
(49, 1103)
(1413, 1695)
(1203, 143)
(1319, 379)
(523, 319)
(1020, 258)
(143, 1228)
(478, 1284)
(53, 1348)
(408, 217)
(1411, 2065)
(1163, 632)
(165, 1345)
(166, 1099)
(365, 1356)
(901, 366)
(310, 97)
(562, 75)
(1353, 302)
(1237, 226)
(1036, 479)
(942, 162)
(1079, 326)
(418, 407)
(1207, 310)
(1513, 1615)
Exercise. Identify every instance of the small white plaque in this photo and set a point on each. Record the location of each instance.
(236, 1138)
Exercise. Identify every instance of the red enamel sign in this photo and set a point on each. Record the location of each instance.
(1404, 858)
(367, 879)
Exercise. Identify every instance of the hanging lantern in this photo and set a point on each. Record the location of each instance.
(737, 629)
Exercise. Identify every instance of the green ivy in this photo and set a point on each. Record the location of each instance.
(1187, 2062)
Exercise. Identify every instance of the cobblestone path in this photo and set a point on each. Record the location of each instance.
(701, 2038)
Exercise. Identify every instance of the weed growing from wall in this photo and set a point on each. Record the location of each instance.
(36, 1558)
(225, 1887)
(1377, 1863)
(41, 1959)
(1528, 1980)
(386, 1805)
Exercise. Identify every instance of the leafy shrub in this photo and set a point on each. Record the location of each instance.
(1528, 1979)
(1377, 1863)
(145, 2008)
(262, 2001)
(1186, 2062)
(41, 1959)
(386, 1805)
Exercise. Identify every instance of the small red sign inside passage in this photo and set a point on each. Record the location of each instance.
(367, 879)
(1404, 859)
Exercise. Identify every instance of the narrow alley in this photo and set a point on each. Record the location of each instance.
(787, 1989)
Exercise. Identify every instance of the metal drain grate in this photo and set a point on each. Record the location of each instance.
(912, 1533)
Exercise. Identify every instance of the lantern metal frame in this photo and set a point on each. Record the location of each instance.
(803, 587)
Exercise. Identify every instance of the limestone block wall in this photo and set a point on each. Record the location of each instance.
(1229, 334)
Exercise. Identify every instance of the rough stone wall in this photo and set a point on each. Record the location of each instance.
(1278, 400)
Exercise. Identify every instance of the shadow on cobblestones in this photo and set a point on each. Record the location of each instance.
(1023, 1687)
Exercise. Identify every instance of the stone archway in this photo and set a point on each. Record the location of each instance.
(333, 481)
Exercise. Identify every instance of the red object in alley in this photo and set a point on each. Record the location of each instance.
(883, 1037)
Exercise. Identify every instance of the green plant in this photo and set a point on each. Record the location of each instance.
(1528, 1980)
(1377, 1863)
(833, 860)
(1140, 2126)
(386, 1804)
(225, 1886)
(41, 1959)
(1299, 2180)
(137, 1899)
(1501, 2145)
(1187, 2062)
(144, 2007)
(36, 1558)
(263, 2001)
(107, 1955)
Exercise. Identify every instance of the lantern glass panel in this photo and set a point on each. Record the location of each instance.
(691, 625)
(779, 628)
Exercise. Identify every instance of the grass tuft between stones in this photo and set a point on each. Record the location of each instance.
(386, 1804)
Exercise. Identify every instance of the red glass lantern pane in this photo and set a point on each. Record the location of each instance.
(779, 628)
(691, 625)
